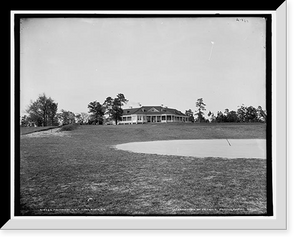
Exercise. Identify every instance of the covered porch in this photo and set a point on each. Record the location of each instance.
(142, 118)
(166, 118)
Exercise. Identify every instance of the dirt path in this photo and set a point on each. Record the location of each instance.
(47, 133)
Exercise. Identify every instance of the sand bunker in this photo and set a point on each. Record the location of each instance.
(225, 148)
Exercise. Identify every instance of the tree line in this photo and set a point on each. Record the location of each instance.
(43, 112)
(242, 114)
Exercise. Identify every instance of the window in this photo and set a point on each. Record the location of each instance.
(153, 110)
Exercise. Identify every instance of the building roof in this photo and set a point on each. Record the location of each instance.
(152, 110)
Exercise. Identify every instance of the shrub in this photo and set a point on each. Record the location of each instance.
(69, 127)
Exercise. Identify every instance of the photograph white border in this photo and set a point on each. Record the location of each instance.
(279, 153)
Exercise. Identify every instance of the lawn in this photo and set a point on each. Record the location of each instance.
(81, 173)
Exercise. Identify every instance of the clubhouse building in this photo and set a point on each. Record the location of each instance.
(146, 114)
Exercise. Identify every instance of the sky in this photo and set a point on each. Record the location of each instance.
(152, 61)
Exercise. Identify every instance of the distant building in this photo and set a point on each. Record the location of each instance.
(146, 114)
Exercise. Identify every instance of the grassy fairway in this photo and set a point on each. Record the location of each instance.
(81, 173)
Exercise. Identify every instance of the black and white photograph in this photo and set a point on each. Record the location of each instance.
(144, 116)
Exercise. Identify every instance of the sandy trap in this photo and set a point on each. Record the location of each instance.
(47, 133)
(225, 148)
